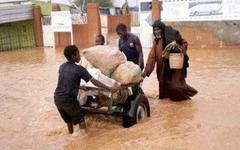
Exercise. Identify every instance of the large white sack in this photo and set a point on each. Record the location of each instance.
(96, 74)
(127, 73)
(108, 81)
(105, 58)
(85, 63)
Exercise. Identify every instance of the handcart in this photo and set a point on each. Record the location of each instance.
(129, 102)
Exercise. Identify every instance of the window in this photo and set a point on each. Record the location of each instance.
(146, 6)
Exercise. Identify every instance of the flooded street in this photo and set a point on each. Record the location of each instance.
(29, 118)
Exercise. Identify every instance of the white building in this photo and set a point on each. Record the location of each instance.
(119, 3)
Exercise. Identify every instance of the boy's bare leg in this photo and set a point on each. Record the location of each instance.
(70, 127)
(81, 130)
(82, 125)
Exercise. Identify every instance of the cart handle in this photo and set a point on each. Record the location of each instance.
(105, 90)
(85, 88)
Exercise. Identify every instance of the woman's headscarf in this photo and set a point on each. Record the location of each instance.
(161, 25)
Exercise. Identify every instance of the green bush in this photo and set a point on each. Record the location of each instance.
(46, 8)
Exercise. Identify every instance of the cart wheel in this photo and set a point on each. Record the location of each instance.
(127, 121)
(140, 111)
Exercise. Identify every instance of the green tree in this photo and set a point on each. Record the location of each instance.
(102, 3)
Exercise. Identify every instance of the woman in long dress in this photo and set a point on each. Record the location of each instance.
(172, 82)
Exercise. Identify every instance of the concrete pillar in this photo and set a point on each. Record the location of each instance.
(56, 7)
(38, 32)
(93, 21)
(156, 10)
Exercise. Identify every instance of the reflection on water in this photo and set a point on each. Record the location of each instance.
(29, 119)
(29, 56)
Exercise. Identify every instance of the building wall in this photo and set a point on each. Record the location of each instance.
(80, 35)
(16, 35)
(210, 34)
(113, 21)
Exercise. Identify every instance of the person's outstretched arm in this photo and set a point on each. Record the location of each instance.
(150, 62)
(100, 84)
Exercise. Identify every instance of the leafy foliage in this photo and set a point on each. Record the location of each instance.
(103, 3)
(46, 7)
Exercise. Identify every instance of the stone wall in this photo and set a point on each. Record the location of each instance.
(210, 34)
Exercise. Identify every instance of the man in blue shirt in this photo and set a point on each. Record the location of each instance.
(130, 45)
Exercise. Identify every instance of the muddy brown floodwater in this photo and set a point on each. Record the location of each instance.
(30, 121)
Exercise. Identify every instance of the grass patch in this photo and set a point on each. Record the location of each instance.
(46, 8)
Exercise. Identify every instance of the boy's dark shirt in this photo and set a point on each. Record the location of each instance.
(69, 79)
